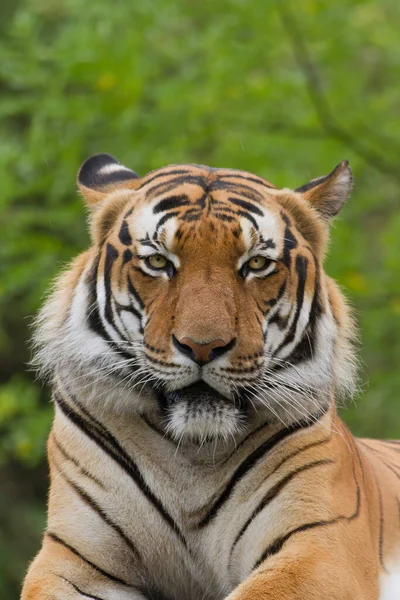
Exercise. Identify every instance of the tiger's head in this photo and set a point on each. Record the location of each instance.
(203, 299)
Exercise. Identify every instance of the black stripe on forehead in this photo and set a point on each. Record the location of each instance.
(171, 202)
(246, 205)
(164, 219)
(222, 216)
(250, 218)
(249, 178)
(164, 173)
(166, 186)
(239, 189)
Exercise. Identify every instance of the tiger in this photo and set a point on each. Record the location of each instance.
(198, 353)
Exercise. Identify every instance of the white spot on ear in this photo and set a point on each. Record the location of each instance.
(112, 168)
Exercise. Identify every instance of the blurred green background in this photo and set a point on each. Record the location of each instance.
(284, 90)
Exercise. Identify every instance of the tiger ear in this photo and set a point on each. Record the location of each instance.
(327, 194)
(102, 174)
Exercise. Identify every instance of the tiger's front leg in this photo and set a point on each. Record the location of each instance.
(310, 569)
(58, 574)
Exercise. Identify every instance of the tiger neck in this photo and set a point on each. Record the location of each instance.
(147, 431)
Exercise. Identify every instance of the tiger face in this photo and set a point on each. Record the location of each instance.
(203, 299)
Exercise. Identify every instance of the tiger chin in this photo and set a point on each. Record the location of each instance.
(196, 354)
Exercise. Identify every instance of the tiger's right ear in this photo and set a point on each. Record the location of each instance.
(102, 174)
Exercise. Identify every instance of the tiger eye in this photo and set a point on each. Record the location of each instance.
(258, 262)
(157, 261)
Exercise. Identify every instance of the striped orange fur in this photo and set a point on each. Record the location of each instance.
(196, 352)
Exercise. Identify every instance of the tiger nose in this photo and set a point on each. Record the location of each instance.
(202, 353)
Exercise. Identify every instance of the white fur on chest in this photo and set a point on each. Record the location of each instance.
(390, 584)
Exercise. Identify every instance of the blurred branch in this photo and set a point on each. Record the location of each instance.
(319, 100)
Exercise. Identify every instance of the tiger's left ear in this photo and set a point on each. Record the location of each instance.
(327, 194)
(102, 174)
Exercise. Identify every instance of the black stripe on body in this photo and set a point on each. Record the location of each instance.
(301, 270)
(248, 436)
(300, 451)
(70, 458)
(171, 202)
(381, 523)
(390, 466)
(278, 544)
(108, 443)
(77, 589)
(360, 462)
(274, 491)
(246, 206)
(380, 508)
(252, 459)
(89, 501)
(55, 538)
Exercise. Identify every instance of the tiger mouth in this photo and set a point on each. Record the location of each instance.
(199, 393)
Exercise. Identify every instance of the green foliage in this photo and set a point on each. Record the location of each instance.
(220, 82)
(24, 424)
